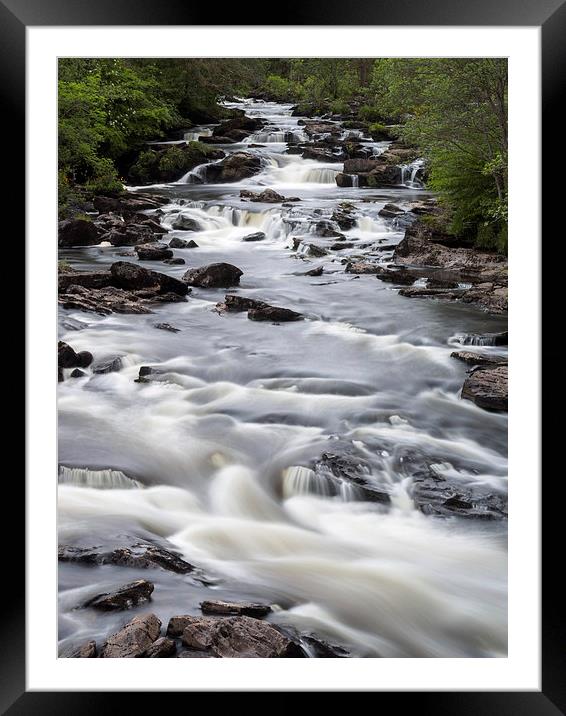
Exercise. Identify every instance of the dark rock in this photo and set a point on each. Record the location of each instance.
(258, 236)
(162, 648)
(153, 252)
(339, 468)
(241, 636)
(315, 272)
(248, 124)
(77, 373)
(390, 211)
(134, 639)
(84, 651)
(78, 232)
(434, 495)
(236, 304)
(219, 275)
(177, 243)
(274, 314)
(185, 223)
(487, 388)
(103, 301)
(342, 245)
(130, 552)
(129, 235)
(344, 219)
(248, 609)
(105, 204)
(478, 359)
(175, 262)
(166, 327)
(111, 364)
(267, 196)
(320, 649)
(314, 249)
(484, 339)
(125, 597)
(361, 267)
(192, 654)
(90, 279)
(325, 228)
(129, 276)
(400, 276)
(235, 167)
(67, 358)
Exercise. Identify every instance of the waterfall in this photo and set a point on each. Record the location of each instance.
(99, 479)
(355, 181)
(196, 133)
(409, 174)
(195, 176)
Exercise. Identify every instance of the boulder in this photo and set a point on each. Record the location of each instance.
(185, 223)
(134, 639)
(153, 252)
(78, 232)
(258, 236)
(234, 167)
(390, 211)
(248, 609)
(177, 243)
(315, 271)
(84, 651)
(236, 304)
(162, 648)
(247, 124)
(129, 276)
(339, 468)
(77, 373)
(110, 364)
(87, 279)
(344, 219)
(219, 275)
(178, 261)
(487, 388)
(240, 636)
(361, 267)
(274, 314)
(125, 597)
(67, 358)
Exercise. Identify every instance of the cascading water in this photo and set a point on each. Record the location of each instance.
(410, 172)
(225, 434)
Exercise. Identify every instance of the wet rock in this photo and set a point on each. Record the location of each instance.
(435, 495)
(129, 234)
(342, 245)
(111, 364)
(487, 388)
(177, 624)
(478, 359)
(175, 262)
(326, 229)
(162, 648)
(314, 249)
(125, 597)
(177, 243)
(344, 219)
(78, 232)
(67, 358)
(237, 166)
(241, 637)
(274, 314)
(401, 277)
(267, 196)
(185, 223)
(77, 373)
(390, 211)
(219, 275)
(166, 327)
(320, 649)
(315, 272)
(129, 276)
(352, 470)
(153, 252)
(484, 339)
(258, 236)
(103, 301)
(84, 651)
(87, 279)
(236, 304)
(247, 124)
(129, 552)
(248, 609)
(134, 639)
(361, 267)
(106, 204)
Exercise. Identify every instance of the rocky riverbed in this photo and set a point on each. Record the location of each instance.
(282, 406)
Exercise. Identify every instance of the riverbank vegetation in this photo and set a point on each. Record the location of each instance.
(454, 111)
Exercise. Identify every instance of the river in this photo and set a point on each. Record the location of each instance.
(214, 442)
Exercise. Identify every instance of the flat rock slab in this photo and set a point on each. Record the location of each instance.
(274, 314)
(241, 636)
(478, 359)
(125, 597)
(134, 639)
(249, 609)
(487, 388)
(138, 554)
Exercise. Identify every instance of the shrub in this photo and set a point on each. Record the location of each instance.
(369, 114)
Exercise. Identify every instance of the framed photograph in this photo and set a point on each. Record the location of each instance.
(285, 283)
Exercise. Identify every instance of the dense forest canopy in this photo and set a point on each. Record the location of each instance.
(453, 110)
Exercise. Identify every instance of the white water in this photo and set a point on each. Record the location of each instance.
(223, 440)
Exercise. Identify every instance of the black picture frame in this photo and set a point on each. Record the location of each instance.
(550, 16)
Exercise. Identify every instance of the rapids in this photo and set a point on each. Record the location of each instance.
(215, 454)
